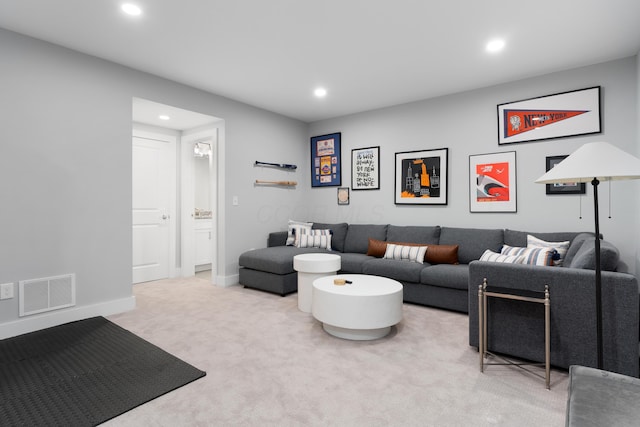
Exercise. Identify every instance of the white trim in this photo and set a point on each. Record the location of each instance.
(213, 135)
(220, 250)
(226, 281)
(54, 318)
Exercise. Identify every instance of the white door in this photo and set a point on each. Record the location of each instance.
(153, 187)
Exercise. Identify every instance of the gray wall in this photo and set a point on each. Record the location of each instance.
(466, 124)
(65, 167)
(65, 164)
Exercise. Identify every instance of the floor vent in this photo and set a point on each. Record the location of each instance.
(46, 294)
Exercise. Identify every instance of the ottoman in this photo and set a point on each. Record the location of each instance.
(602, 398)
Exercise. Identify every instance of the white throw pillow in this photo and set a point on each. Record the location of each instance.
(317, 239)
(491, 256)
(561, 247)
(406, 253)
(295, 229)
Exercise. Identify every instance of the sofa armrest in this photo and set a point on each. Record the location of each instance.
(518, 331)
(277, 238)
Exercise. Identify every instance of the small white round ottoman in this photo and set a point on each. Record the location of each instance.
(311, 267)
(364, 309)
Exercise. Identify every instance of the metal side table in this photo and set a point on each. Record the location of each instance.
(541, 297)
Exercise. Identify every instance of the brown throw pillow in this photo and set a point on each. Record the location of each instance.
(442, 254)
(436, 254)
(376, 248)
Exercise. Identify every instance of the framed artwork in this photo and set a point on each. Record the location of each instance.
(365, 168)
(325, 161)
(563, 188)
(552, 116)
(343, 195)
(421, 177)
(492, 182)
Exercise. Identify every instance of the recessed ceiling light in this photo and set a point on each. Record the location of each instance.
(164, 117)
(495, 45)
(131, 9)
(320, 92)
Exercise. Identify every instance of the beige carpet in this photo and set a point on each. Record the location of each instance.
(269, 364)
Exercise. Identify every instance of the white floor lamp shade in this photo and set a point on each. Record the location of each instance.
(595, 162)
(599, 160)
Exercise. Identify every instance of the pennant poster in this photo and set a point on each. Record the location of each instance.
(492, 182)
(547, 117)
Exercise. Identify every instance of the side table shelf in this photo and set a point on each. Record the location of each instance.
(541, 297)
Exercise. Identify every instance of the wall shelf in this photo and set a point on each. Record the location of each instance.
(282, 183)
(277, 165)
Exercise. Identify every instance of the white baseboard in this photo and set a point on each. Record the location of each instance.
(55, 318)
(226, 281)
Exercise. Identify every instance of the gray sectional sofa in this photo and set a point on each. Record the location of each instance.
(455, 287)
(444, 286)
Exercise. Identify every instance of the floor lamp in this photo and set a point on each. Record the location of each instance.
(595, 162)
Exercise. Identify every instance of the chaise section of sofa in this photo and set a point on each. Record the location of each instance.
(271, 269)
(517, 329)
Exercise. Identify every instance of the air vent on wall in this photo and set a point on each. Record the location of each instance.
(46, 294)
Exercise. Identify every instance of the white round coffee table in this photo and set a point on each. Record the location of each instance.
(309, 268)
(365, 309)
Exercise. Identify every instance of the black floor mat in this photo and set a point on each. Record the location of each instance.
(83, 374)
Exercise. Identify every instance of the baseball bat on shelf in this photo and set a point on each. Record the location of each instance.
(278, 165)
(289, 183)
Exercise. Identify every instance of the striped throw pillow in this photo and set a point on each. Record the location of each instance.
(532, 256)
(315, 239)
(405, 253)
(295, 229)
(560, 247)
(491, 256)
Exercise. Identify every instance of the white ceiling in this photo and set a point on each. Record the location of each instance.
(149, 112)
(367, 53)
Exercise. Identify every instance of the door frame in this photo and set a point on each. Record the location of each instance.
(172, 141)
(210, 134)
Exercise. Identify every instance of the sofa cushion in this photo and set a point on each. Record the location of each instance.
(586, 256)
(358, 235)
(446, 276)
(413, 234)
(393, 269)
(339, 232)
(277, 259)
(575, 246)
(405, 253)
(352, 263)
(472, 242)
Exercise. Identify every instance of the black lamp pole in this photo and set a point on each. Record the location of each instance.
(595, 183)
